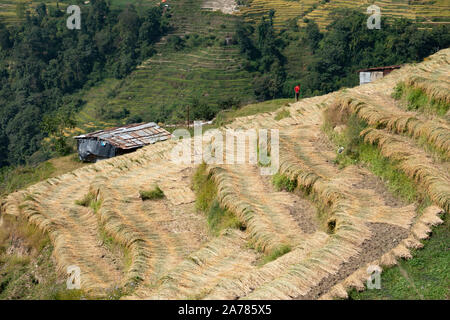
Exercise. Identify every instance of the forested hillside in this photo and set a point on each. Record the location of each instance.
(141, 62)
(42, 62)
(327, 61)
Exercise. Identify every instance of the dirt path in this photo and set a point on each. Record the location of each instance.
(226, 6)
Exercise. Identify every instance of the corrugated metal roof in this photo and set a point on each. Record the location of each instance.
(381, 68)
(130, 136)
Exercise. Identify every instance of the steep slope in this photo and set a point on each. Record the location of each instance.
(337, 223)
(205, 68)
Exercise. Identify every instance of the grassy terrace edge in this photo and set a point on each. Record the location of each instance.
(425, 276)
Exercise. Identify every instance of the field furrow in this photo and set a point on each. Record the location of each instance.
(159, 233)
(265, 212)
(222, 258)
(77, 240)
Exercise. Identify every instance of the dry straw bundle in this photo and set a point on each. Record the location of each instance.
(269, 224)
(435, 132)
(431, 176)
(222, 258)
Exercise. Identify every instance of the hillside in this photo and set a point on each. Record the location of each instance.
(14, 11)
(310, 233)
(425, 12)
(149, 62)
(193, 66)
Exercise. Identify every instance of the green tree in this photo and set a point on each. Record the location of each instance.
(42, 63)
(5, 41)
(54, 125)
(313, 35)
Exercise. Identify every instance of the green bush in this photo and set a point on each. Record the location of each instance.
(417, 99)
(218, 218)
(275, 254)
(398, 91)
(281, 182)
(282, 114)
(176, 43)
(90, 200)
(87, 200)
(204, 188)
(352, 136)
(153, 194)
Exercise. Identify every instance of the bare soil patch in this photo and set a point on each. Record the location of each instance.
(384, 238)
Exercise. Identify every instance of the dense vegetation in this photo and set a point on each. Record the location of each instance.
(263, 56)
(323, 62)
(197, 65)
(42, 62)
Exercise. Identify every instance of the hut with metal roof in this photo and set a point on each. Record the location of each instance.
(371, 74)
(104, 144)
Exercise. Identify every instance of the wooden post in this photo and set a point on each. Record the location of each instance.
(188, 117)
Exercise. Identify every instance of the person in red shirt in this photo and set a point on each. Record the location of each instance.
(297, 92)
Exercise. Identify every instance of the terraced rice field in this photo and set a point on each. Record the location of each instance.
(345, 219)
(165, 83)
(13, 11)
(10, 12)
(285, 10)
(425, 12)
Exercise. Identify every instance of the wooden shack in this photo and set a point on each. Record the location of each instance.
(371, 74)
(104, 144)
